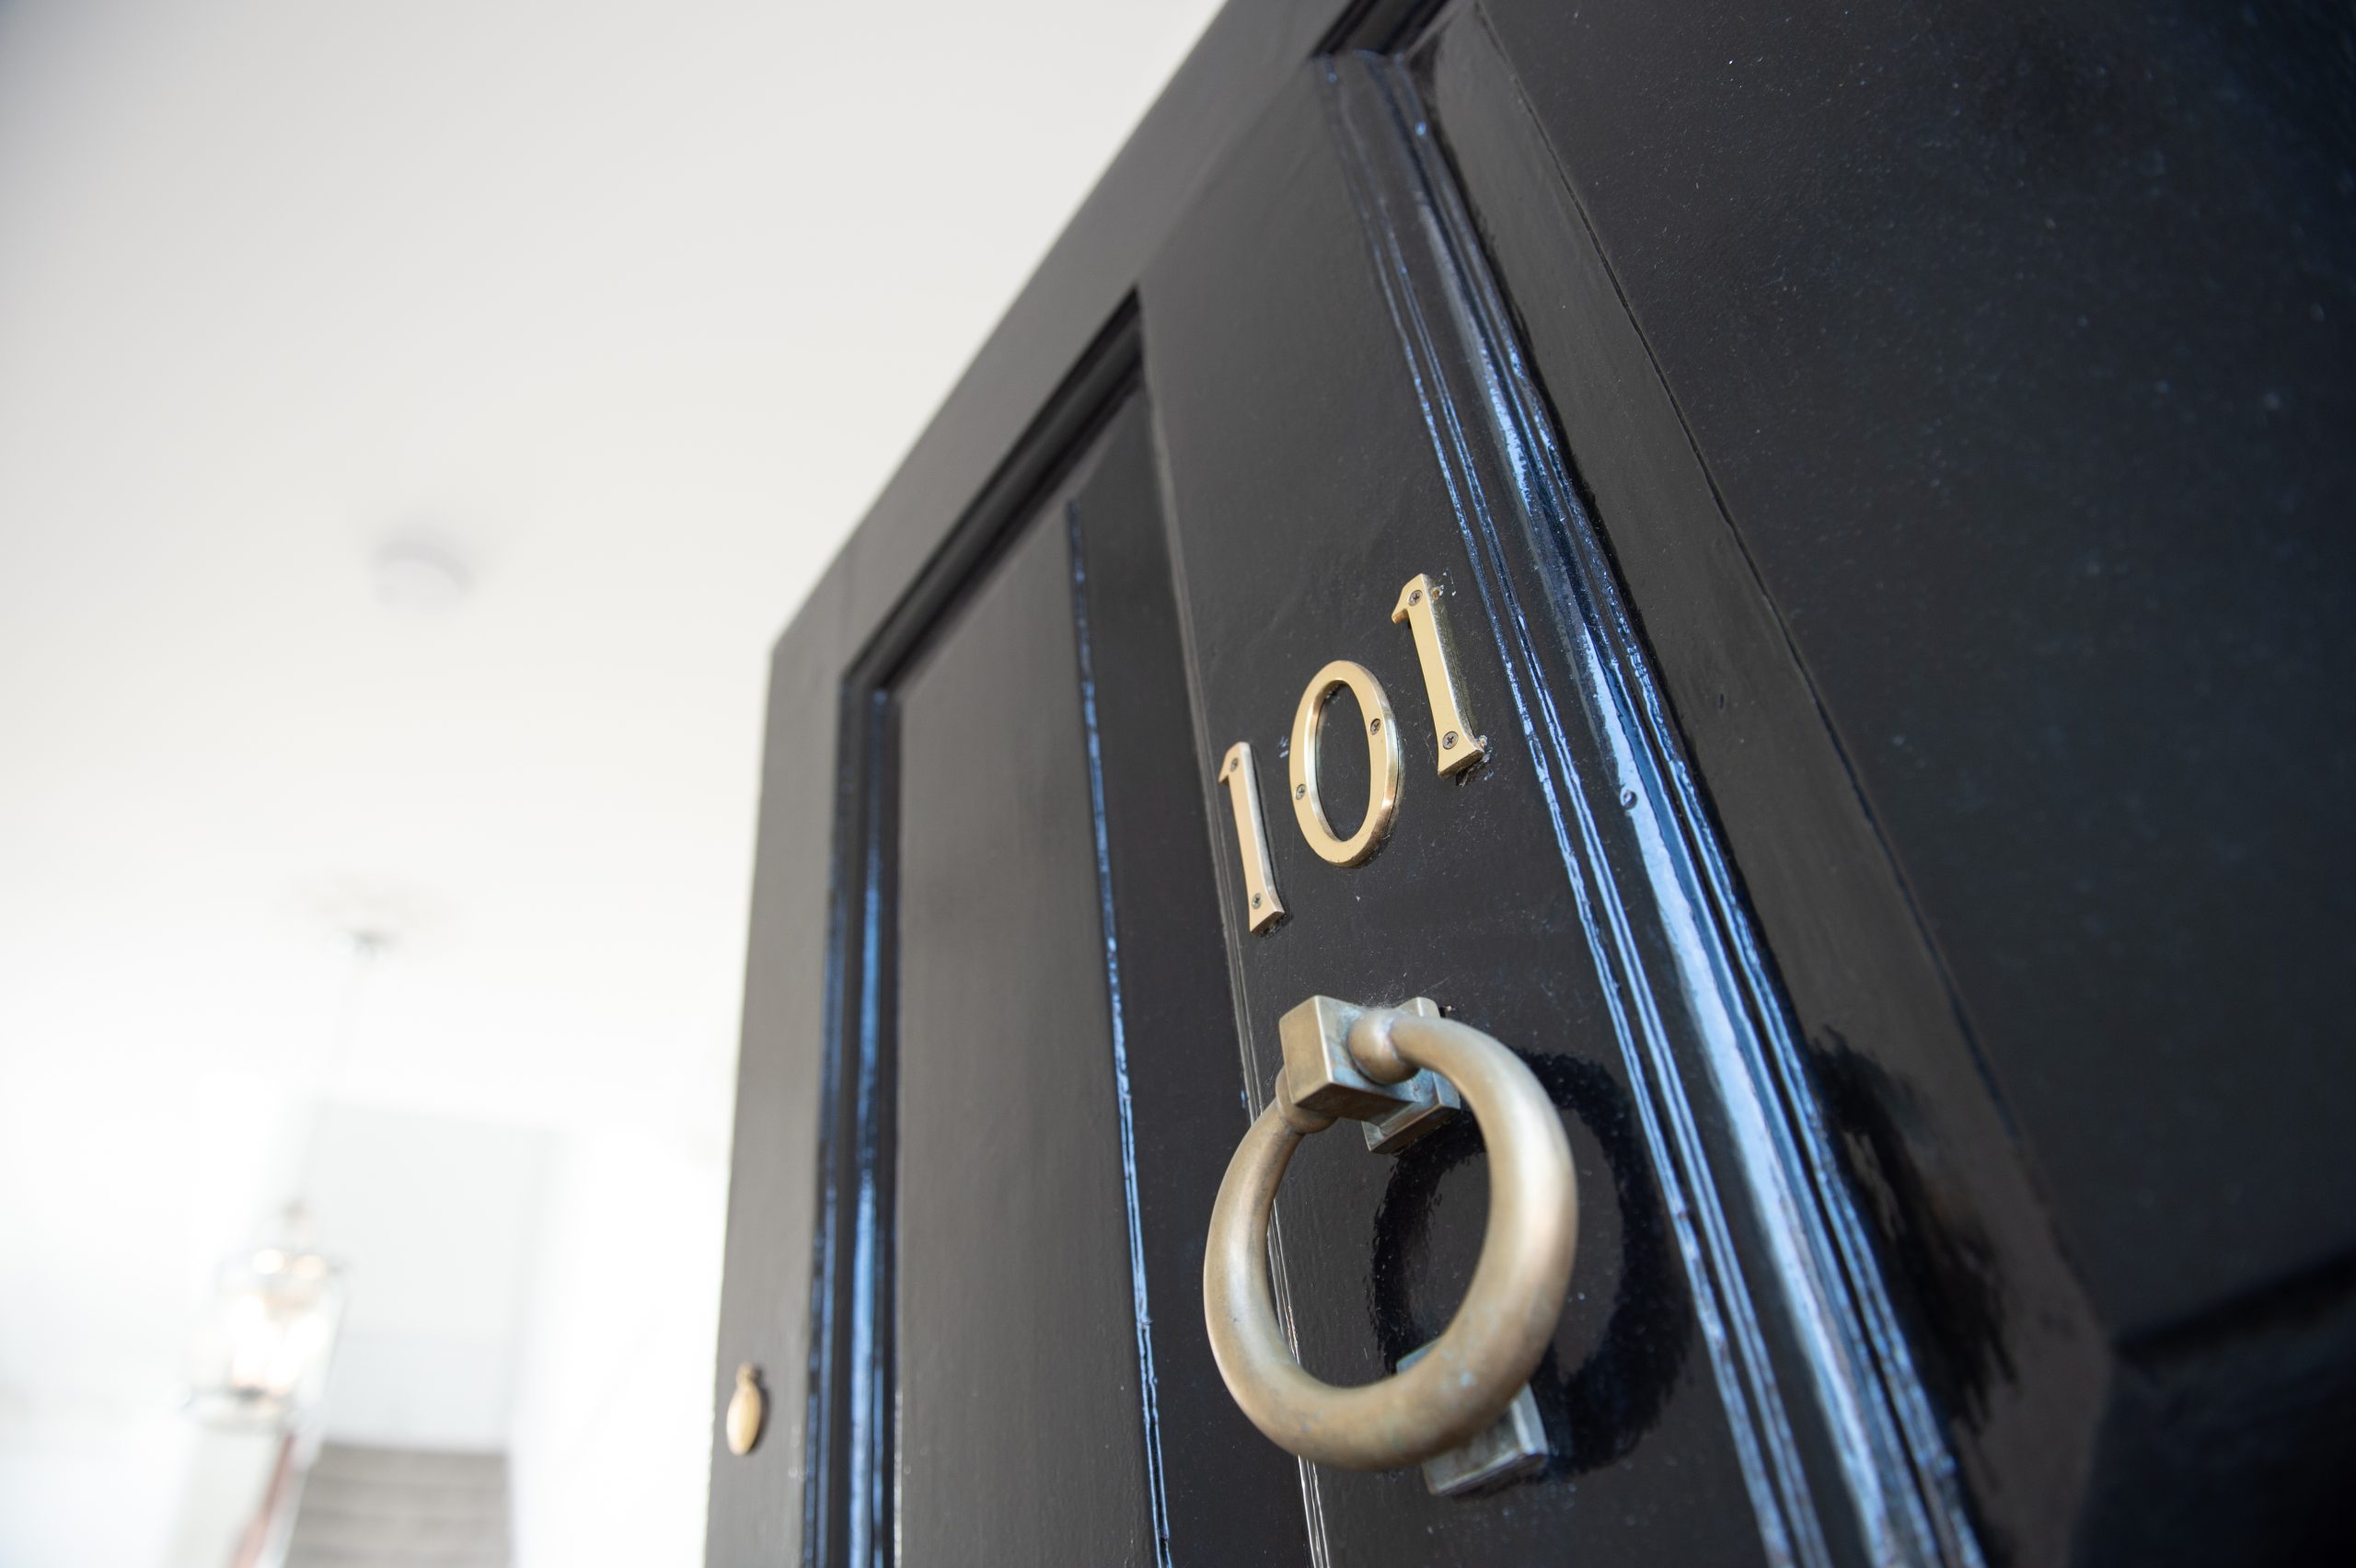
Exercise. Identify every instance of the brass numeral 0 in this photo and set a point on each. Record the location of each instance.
(1381, 763)
(1262, 908)
(1460, 746)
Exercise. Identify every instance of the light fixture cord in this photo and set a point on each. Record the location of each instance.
(366, 946)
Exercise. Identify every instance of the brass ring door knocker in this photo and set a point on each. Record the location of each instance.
(1399, 1070)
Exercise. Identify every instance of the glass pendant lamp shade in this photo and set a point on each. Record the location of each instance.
(259, 1358)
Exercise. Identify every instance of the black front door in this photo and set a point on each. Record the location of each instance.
(1378, 392)
(1069, 1007)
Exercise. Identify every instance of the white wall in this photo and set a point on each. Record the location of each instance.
(440, 1219)
(613, 1427)
(128, 1169)
(634, 304)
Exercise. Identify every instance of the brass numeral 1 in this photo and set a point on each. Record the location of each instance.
(1263, 908)
(1460, 746)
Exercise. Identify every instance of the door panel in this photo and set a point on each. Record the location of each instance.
(1300, 512)
(2001, 540)
(1055, 1071)
(1916, 397)
(1020, 1439)
(2003, 1335)
(1229, 1495)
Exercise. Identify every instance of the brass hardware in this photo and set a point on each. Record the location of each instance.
(1355, 1060)
(1320, 1070)
(1316, 1059)
(747, 1409)
(1510, 1447)
(1433, 1104)
(1262, 907)
(1460, 744)
(1382, 756)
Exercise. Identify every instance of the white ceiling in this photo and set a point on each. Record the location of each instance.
(628, 306)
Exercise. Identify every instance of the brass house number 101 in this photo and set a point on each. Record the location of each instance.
(1458, 743)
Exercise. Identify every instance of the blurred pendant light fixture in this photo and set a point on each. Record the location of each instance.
(258, 1357)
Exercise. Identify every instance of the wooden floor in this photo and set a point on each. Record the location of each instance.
(402, 1508)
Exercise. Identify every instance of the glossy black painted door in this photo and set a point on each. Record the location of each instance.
(1784, 622)
(1069, 1020)
(1057, 1021)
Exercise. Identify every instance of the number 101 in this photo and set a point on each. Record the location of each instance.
(1458, 745)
